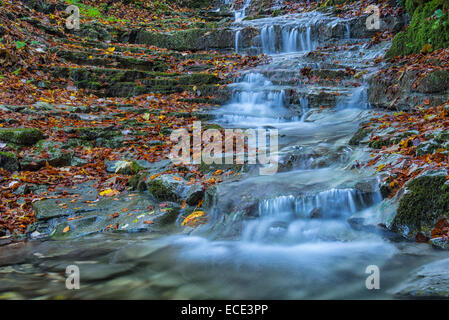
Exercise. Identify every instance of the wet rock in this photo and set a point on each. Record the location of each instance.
(429, 281)
(166, 187)
(21, 136)
(427, 147)
(195, 195)
(440, 242)
(316, 214)
(123, 167)
(62, 219)
(360, 136)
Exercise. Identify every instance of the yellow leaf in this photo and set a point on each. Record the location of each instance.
(380, 167)
(66, 229)
(193, 219)
(109, 192)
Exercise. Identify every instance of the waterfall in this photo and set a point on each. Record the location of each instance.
(240, 14)
(311, 214)
(268, 39)
(331, 203)
(357, 99)
(304, 102)
(348, 31)
(253, 102)
(292, 40)
(306, 40)
(237, 40)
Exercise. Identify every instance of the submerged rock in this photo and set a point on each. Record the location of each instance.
(62, 219)
(430, 281)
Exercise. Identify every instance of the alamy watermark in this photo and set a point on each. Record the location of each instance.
(73, 277)
(251, 146)
(73, 21)
(373, 280)
(373, 21)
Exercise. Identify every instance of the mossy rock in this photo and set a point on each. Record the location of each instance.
(57, 155)
(429, 27)
(161, 191)
(21, 136)
(425, 200)
(87, 133)
(9, 161)
(361, 134)
(379, 143)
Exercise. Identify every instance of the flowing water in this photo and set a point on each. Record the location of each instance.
(308, 231)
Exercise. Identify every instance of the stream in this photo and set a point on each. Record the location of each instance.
(311, 229)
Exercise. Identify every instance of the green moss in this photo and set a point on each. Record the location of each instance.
(429, 26)
(21, 136)
(427, 199)
(136, 167)
(379, 143)
(160, 191)
(137, 181)
(361, 134)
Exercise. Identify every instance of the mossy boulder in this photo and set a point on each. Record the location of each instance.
(53, 152)
(429, 28)
(424, 201)
(21, 136)
(161, 190)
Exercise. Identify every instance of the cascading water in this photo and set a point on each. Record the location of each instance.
(240, 14)
(268, 38)
(298, 234)
(254, 103)
(292, 40)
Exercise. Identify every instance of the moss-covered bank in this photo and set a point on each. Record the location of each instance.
(428, 30)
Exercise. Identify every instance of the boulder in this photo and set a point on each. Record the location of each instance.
(422, 202)
(21, 136)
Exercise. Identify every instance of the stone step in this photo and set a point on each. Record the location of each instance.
(124, 83)
(112, 61)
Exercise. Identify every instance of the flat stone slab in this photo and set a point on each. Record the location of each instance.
(429, 281)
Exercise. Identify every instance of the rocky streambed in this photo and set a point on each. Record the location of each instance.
(309, 231)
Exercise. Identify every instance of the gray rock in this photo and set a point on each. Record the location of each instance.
(440, 243)
(430, 281)
(194, 195)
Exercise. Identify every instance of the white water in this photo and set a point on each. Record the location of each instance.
(240, 14)
(251, 104)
